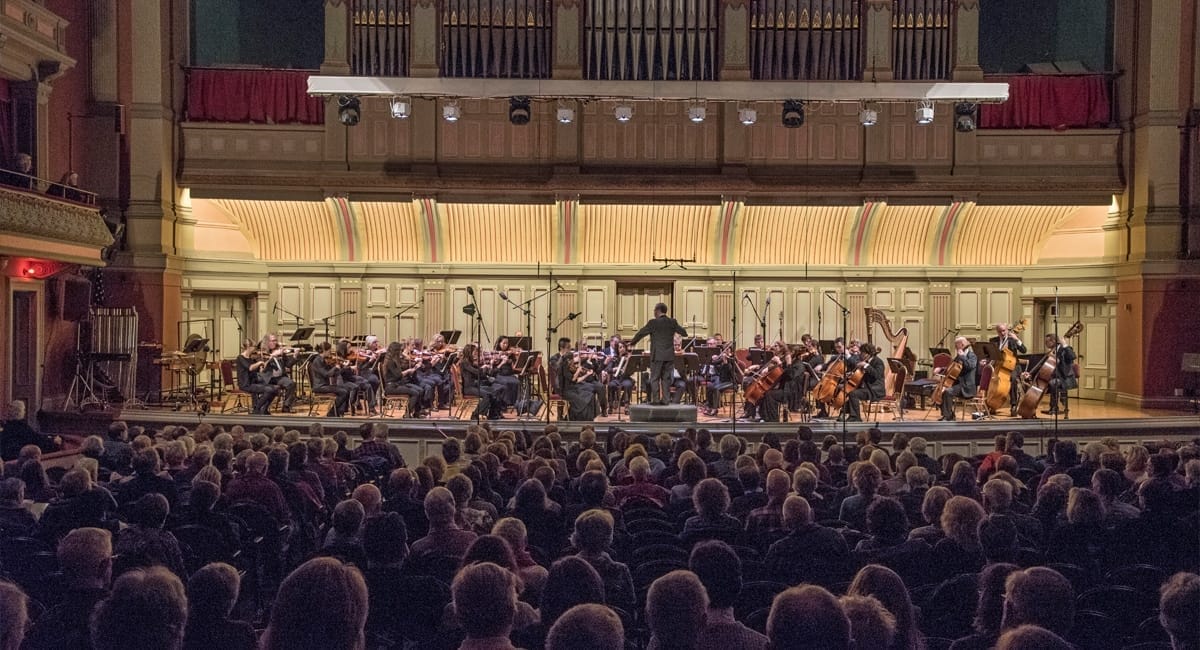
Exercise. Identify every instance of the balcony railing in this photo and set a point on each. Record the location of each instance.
(62, 190)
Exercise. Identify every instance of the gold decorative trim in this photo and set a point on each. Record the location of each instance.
(27, 214)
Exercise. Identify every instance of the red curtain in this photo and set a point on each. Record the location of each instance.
(261, 96)
(1051, 102)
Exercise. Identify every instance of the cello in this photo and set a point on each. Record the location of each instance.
(948, 379)
(763, 381)
(1028, 407)
(999, 388)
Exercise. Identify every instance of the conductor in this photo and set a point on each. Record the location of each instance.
(662, 330)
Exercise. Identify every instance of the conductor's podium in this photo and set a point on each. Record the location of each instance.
(668, 413)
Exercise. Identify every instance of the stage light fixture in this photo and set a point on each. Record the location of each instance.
(401, 108)
(697, 112)
(519, 110)
(964, 116)
(451, 111)
(747, 115)
(868, 116)
(349, 110)
(565, 114)
(793, 114)
(623, 113)
(925, 112)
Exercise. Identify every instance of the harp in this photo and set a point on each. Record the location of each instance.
(900, 350)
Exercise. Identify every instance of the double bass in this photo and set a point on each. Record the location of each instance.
(1028, 407)
(999, 388)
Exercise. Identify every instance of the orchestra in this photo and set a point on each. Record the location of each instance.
(774, 383)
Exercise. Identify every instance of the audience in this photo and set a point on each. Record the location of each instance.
(211, 593)
(720, 571)
(146, 610)
(485, 601)
(1038, 596)
(590, 626)
(593, 537)
(676, 607)
(322, 605)
(85, 559)
(14, 615)
(808, 617)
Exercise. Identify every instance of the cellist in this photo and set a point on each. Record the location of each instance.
(1064, 377)
(964, 385)
(1006, 339)
(870, 388)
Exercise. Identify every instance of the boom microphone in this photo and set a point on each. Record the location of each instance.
(503, 296)
(768, 301)
(470, 291)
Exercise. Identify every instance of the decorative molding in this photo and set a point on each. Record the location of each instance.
(31, 215)
(565, 4)
(965, 5)
(879, 5)
(735, 4)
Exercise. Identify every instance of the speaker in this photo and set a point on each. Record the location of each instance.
(668, 413)
(76, 299)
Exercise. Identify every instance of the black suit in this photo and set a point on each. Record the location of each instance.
(1063, 378)
(251, 382)
(1017, 347)
(964, 386)
(870, 388)
(322, 376)
(661, 330)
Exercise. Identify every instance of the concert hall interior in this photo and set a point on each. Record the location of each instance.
(599, 324)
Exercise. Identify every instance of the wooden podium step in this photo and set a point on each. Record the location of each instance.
(668, 413)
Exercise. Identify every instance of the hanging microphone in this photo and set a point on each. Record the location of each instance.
(352, 312)
(503, 296)
(470, 291)
(768, 301)
(572, 316)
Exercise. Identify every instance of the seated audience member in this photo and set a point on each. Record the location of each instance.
(470, 518)
(15, 519)
(146, 609)
(989, 610)
(590, 626)
(543, 523)
(332, 621)
(445, 537)
(401, 499)
(14, 615)
(77, 507)
(885, 585)
(729, 448)
(1038, 596)
(1031, 637)
(887, 527)
(490, 549)
(344, 538)
(38, 488)
(642, 486)
(768, 519)
(998, 502)
(1179, 610)
(871, 624)
(532, 574)
(67, 187)
(20, 173)
(712, 521)
(485, 600)
(376, 449)
(675, 611)
(809, 551)
(211, 593)
(808, 617)
(203, 512)
(998, 539)
(720, 571)
(1110, 485)
(400, 605)
(144, 543)
(85, 558)
(692, 470)
(746, 493)
(16, 433)
(146, 480)
(571, 581)
(866, 479)
(959, 552)
(593, 538)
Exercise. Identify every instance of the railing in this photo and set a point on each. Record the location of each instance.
(57, 189)
(806, 39)
(643, 40)
(496, 38)
(922, 47)
(381, 38)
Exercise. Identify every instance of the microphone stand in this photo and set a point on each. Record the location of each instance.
(298, 317)
(329, 318)
(1057, 348)
(942, 341)
(846, 347)
(762, 320)
(733, 349)
(480, 329)
(409, 308)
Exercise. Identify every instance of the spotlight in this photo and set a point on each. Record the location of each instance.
(518, 110)
(450, 111)
(964, 116)
(623, 113)
(925, 112)
(565, 113)
(401, 108)
(868, 116)
(697, 112)
(793, 114)
(349, 110)
(747, 116)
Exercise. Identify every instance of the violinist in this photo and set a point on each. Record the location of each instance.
(279, 366)
(505, 376)
(1063, 378)
(964, 386)
(368, 362)
(575, 388)
(434, 371)
(620, 381)
(323, 371)
(399, 378)
(1006, 339)
(252, 379)
(351, 379)
(597, 364)
(768, 406)
(871, 387)
(477, 381)
(717, 377)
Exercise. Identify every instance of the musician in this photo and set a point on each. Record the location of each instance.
(575, 388)
(597, 363)
(716, 377)
(964, 386)
(778, 394)
(477, 381)
(620, 384)
(1064, 378)
(871, 387)
(368, 361)
(434, 371)
(1006, 339)
(399, 378)
(323, 371)
(352, 379)
(504, 378)
(610, 349)
(662, 330)
(279, 367)
(251, 379)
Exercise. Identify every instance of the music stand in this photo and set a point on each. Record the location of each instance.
(706, 354)
(524, 361)
(302, 334)
(195, 345)
(933, 352)
(638, 363)
(987, 351)
(693, 342)
(759, 356)
(451, 336)
(691, 365)
(827, 348)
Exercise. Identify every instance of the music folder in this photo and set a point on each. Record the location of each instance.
(826, 347)
(302, 334)
(451, 336)
(986, 351)
(524, 359)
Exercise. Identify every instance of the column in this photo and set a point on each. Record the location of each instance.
(735, 40)
(878, 42)
(966, 42)
(568, 51)
(424, 32)
(337, 38)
